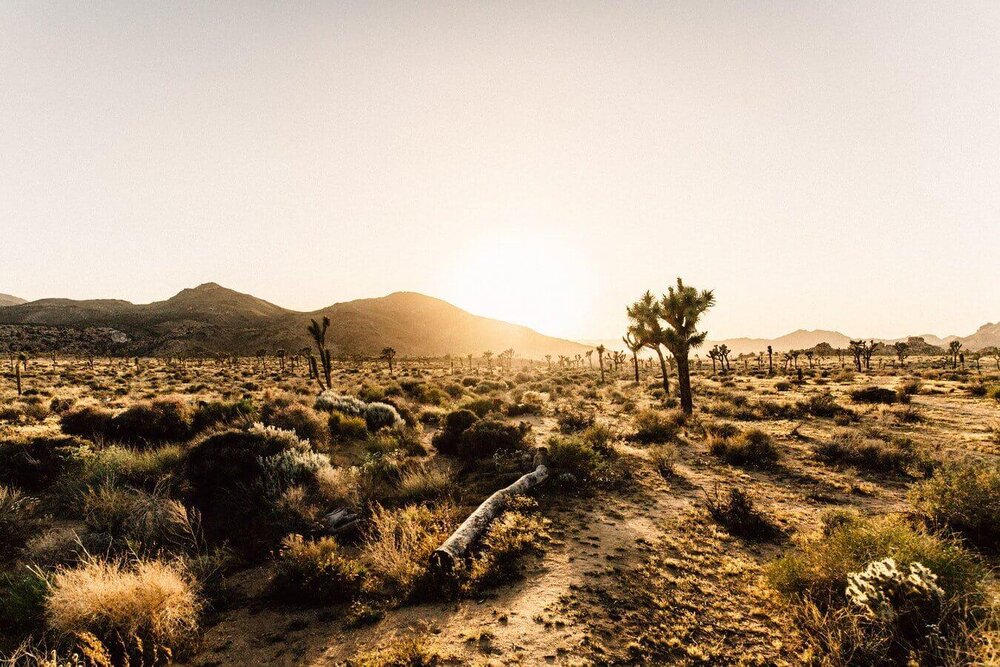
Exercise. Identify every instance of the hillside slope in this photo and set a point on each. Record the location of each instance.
(8, 300)
(213, 319)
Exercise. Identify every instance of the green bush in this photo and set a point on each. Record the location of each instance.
(19, 521)
(343, 427)
(964, 497)
(873, 454)
(315, 572)
(446, 441)
(217, 413)
(380, 415)
(158, 421)
(488, 436)
(874, 395)
(753, 448)
(300, 419)
(87, 421)
(656, 426)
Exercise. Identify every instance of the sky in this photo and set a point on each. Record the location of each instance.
(818, 164)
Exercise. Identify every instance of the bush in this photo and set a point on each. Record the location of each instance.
(822, 405)
(18, 521)
(150, 607)
(518, 531)
(22, 600)
(426, 481)
(736, 512)
(158, 421)
(874, 395)
(574, 421)
(482, 406)
(87, 421)
(380, 415)
(964, 497)
(664, 457)
(215, 413)
(655, 426)
(237, 479)
(36, 463)
(315, 572)
(398, 545)
(343, 427)
(834, 578)
(750, 448)
(576, 458)
(330, 401)
(300, 419)
(456, 423)
(488, 436)
(870, 453)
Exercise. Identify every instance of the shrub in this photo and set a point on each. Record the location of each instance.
(238, 477)
(518, 531)
(22, 599)
(343, 427)
(822, 405)
(215, 413)
(425, 481)
(397, 547)
(737, 513)
(300, 419)
(482, 406)
(663, 457)
(575, 459)
(750, 448)
(869, 453)
(380, 415)
(574, 421)
(315, 572)
(964, 497)
(488, 436)
(654, 426)
(36, 463)
(330, 401)
(141, 468)
(849, 598)
(874, 395)
(158, 421)
(87, 421)
(911, 387)
(455, 424)
(150, 607)
(18, 521)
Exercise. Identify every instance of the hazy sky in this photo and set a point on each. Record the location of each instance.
(819, 164)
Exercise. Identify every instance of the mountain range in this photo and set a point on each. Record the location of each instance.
(211, 319)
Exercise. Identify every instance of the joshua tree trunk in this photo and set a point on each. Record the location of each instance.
(17, 377)
(635, 364)
(663, 370)
(684, 382)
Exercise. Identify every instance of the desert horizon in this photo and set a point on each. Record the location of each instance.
(575, 333)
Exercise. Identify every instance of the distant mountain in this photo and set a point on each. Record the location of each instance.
(797, 340)
(213, 319)
(8, 300)
(987, 335)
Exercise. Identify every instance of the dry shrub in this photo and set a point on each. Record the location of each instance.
(150, 604)
(167, 419)
(397, 547)
(964, 497)
(517, 532)
(738, 515)
(409, 651)
(753, 448)
(656, 426)
(870, 452)
(87, 421)
(18, 521)
(664, 457)
(315, 572)
(426, 481)
(339, 486)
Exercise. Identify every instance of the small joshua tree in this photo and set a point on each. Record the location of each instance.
(318, 333)
(590, 357)
(953, 348)
(902, 349)
(488, 356)
(770, 360)
(548, 360)
(600, 359)
(645, 325)
(634, 345)
(388, 354)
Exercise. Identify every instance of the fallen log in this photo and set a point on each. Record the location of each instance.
(340, 521)
(457, 545)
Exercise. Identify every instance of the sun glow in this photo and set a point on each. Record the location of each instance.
(536, 281)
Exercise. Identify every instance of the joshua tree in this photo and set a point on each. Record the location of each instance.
(600, 360)
(548, 360)
(488, 356)
(634, 345)
(645, 326)
(770, 360)
(902, 350)
(795, 358)
(869, 350)
(318, 333)
(17, 377)
(618, 358)
(724, 352)
(953, 349)
(858, 351)
(809, 356)
(281, 359)
(590, 357)
(713, 354)
(389, 354)
(681, 308)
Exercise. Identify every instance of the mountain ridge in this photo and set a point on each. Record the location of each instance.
(211, 319)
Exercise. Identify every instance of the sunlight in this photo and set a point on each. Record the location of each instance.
(535, 281)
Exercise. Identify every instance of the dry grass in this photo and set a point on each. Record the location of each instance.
(398, 545)
(151, 600)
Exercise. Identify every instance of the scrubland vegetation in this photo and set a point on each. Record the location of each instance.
(229, 512)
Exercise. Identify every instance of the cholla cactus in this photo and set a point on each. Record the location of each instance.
(882, 592)
(348, 405)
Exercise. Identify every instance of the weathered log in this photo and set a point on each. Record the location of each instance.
(340, 521)
(457, 545)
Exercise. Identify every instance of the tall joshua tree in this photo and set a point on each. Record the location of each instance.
(681, 308)
(902, 350)
(389, 354)
(953, 347)
(318, 333)
(645, 326)
(770, 360)
(634, 345)
(600, 360)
